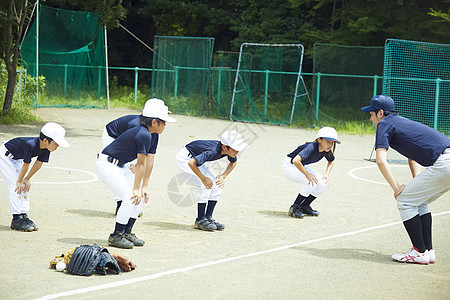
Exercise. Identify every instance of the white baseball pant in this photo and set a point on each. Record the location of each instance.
(106, 140)
(204, 194)
(121, 181)
(10, 169)
(293, 173)
(426, 187)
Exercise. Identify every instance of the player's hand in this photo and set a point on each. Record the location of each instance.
(145, 194)
(132, 167)
(325, 179)
(20, 187)
(312, 179)
(220, 180)
(400, 189)
(136, 198)
(27, 185)
(208, 182)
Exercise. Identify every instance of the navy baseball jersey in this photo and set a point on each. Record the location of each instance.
(122, 124)
(207, 150)
(412, 139)
(26, 148)
(132, 142)
(309, 153)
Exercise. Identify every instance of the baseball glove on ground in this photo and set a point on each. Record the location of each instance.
(124, 263)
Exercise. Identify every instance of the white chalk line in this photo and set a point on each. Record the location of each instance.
(368, 180)
(212, 263)
(94, 177)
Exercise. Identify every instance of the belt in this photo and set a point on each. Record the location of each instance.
(9, 154)
(112, 160)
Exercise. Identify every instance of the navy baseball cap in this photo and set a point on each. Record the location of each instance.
(380, 102)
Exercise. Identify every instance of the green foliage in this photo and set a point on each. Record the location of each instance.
(21, 111)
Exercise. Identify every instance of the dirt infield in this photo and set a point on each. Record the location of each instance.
(262, 254)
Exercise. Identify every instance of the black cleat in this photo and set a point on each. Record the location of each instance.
(21, 224)
(296, 212)
(219, 226)
(204, 224)
(134, 239)
(307, 210)
(118, 240)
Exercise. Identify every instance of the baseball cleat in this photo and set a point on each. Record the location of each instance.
(413, 257)
(219, 226)
(307, 210)
(432, 256)
(21, 224)
(26, 219)
(118, 240)
(295, 212)
(204, 224)
(134, 239)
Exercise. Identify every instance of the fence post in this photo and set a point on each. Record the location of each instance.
(65, 79)
(99, 92)
(318, 95)
(436, 103)
(375, 85)
(175, 92)
(219, 86)
(266, 92)
(136, 76)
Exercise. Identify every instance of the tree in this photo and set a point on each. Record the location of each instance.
(14, 14)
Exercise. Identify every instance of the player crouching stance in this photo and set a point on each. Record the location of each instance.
(295, 168)
(421, 145)
(191, 160)
(15, 159)
(139, 143)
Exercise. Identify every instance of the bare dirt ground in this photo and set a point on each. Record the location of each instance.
(262, 253)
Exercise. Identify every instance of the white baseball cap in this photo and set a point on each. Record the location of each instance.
(56, 132)
(233, 139)
(155, 108)
(328, 133)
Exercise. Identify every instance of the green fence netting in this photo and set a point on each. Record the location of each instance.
(220, 90)
(268, 86)
(345, 79)
(71, 57)
(181, 72)
(417, 77)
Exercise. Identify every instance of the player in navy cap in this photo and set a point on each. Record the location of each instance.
(192, 161)
(132, 189)
(296, 168)
(423, 146)
(15, 160)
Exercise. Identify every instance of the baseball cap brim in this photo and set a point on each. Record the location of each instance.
(61, 142)
(368, 109)
(167, 119)
(332, 140)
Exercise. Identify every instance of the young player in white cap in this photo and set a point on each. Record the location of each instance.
(192, 161)
(118, 126)
(296, 168)
(135, 143)
(15, 160)
(424, 146)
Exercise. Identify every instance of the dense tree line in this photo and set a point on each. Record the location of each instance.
(232, 22)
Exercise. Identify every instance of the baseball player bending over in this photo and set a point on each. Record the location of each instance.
(118, 126)
(135, 143)
(296, 168)
(15, 160)
(191, 160)
(421, 145)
